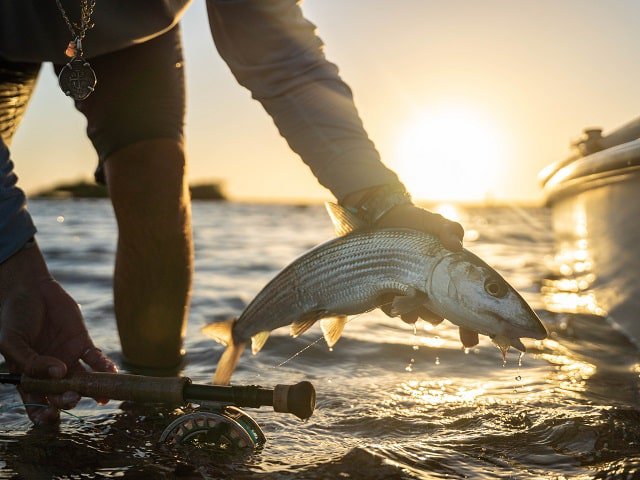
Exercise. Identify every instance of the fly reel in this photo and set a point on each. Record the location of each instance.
(227, 429)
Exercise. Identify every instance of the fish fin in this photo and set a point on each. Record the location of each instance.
(228, 363)
(402, 304)
(258, 341)
(221, 332)
(518, 345)
(344, 221)
(300, 326)
(332, 328)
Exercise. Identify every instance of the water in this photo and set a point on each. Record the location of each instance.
(391, 404)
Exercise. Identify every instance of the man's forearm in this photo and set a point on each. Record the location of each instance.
(274, 52)
(16, 226)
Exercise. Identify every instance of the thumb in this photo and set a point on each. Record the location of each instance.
(27, 361)
(42, 366)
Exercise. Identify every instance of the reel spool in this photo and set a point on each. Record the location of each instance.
(228, 428)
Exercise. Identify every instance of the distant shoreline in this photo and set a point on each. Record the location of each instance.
(87, 189)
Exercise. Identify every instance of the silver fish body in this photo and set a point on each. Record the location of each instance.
(345, 276)
(361, 270)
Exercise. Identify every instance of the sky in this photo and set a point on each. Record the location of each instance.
(467, 100)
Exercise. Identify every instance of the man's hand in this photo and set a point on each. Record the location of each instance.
(42, 332)
(450, 234)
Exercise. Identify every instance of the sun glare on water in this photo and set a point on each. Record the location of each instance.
(452, 154)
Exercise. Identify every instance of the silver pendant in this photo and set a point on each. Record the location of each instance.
(77, 79)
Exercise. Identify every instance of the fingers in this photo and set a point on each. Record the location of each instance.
(410, 318)
(469, 338)
(451, 235)
(25, 360)
(429, 316)
(64, 401)
(410, 216)
(98, 361)
(38, 408)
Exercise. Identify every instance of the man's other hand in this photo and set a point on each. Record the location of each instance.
(42, 332)
(450, 234)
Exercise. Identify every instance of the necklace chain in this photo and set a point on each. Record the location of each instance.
(86, 10)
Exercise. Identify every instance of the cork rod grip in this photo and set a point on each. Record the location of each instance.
(136, 388)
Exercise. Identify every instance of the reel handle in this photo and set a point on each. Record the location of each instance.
(298, 399)
(115, 386)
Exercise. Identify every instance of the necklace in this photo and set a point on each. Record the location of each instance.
(77, 79)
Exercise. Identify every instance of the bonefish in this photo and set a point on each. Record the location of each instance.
(359, 271)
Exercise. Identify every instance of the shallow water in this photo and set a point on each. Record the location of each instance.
(391, 403)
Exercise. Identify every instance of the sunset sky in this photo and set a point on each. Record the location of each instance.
(466, 100)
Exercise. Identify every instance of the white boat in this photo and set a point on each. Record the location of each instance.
(594, 197)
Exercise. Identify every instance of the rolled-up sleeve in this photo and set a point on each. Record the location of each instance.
(274, 52)
(16, 226)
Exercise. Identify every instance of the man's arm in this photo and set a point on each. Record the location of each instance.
(274, 52)
(16, 227)
(42, 332)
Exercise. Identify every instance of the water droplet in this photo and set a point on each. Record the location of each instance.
(408, 368)
(437, 360)
(416, 347)
(331, 349)
(415, 329)
(518, 378)
(520, 359)
(60, 219)
(466, 350)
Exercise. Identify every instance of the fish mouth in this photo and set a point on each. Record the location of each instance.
(515, 332)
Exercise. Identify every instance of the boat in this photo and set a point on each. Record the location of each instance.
(594, 197)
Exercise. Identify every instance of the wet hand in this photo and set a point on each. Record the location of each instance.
(450, 234)
(42, 332)
(410, 216)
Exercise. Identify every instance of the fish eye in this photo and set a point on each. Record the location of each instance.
(495, 288)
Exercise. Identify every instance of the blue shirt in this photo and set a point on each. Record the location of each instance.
(16, 227)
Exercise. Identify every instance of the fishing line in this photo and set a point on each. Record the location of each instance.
(312, 344)
(320, 338)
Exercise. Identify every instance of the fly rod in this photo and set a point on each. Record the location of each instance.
(298, 399)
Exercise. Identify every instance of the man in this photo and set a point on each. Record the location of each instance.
(135, 121)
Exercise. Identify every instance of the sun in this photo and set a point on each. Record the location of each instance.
(452, 154)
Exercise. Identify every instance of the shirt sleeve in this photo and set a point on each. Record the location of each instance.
(16, 226)
(274, 51)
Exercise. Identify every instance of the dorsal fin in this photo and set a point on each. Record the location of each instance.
(344, 221)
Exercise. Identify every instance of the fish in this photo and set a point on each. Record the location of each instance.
(364, 268)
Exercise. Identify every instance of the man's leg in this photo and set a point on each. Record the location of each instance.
(154, 262)
(135, 120)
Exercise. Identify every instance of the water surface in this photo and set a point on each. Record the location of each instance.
(392, 403)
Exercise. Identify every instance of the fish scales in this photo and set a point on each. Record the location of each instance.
(361, 269)
(342, 276)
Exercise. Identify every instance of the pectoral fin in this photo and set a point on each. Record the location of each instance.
(403, 304)
(332, 328)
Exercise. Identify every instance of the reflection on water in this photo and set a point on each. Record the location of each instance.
(569, 409)
(568, 288)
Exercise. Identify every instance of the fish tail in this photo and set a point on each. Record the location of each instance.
(222, 332)
(227, 363)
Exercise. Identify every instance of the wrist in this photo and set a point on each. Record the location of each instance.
(374, 203)
(23, 268)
